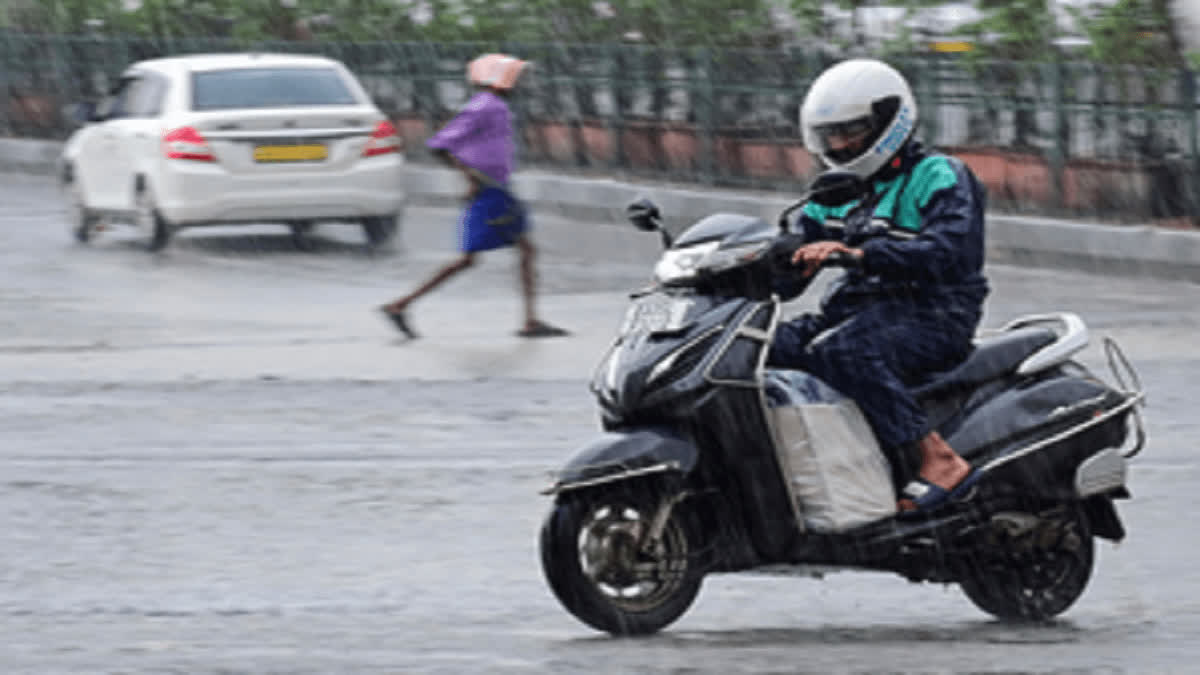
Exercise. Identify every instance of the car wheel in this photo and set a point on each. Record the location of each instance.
(81, 219)
(302, 236)
(381, 230)
(150, 221)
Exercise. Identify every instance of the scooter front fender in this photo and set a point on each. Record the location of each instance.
(620, 455)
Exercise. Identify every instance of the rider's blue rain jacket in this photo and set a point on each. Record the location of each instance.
(924, 240)
(914, 305)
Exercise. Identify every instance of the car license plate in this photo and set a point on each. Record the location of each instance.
(290, 153)
(656, 314)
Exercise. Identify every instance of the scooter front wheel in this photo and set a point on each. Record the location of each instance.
(597, 560)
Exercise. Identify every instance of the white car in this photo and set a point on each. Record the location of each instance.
(234, 138)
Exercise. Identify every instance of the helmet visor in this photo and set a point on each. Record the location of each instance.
(843, 141)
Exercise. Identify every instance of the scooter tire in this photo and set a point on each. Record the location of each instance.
(1039, 584)
(568, 535)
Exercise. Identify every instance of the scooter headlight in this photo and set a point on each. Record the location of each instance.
(686, 263)
(680, 264)
(735, 256)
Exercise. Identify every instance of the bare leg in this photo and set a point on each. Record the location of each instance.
(528, 279)
(534, 327)
(940, 465)
(447, 271)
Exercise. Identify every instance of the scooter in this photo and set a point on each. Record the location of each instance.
(709, 462)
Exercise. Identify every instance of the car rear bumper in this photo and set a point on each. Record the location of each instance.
(193, 193)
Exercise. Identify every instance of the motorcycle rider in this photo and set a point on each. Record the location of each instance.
(912, 301)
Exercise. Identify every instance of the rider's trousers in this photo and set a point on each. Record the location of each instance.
(872, 351)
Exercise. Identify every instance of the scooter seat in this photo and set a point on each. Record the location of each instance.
(993, 357)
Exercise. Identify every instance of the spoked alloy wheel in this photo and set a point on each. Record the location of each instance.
(599, 564)
(1038, 574)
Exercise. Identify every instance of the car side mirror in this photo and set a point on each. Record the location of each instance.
(645, 216)
(834, 188)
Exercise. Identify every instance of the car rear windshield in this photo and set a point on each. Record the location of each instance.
(268, 88)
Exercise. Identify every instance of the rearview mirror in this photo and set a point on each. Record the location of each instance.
(644, 215)
(834, 188)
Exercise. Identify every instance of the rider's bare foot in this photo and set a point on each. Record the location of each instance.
(946, 473)
(941, 467)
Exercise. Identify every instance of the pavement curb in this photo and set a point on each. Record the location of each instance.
(1043, 242)
(20, 155)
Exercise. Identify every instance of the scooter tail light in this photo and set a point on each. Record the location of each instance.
(187, 143)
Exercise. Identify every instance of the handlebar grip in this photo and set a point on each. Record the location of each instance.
(839, 259)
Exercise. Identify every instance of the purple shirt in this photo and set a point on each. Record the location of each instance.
(480, 136)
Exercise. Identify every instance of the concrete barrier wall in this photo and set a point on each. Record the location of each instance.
(1122, 249)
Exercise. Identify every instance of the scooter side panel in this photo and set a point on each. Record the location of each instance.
(1050, 471)
(1028, 410)
(1000, 433)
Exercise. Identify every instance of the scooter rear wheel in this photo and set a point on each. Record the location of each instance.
(595, 562)
(1037, 574)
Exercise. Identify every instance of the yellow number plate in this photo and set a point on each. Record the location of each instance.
(290, 153)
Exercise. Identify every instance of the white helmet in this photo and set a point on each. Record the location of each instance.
(858, 97)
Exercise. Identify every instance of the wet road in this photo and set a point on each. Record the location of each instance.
(219, 461)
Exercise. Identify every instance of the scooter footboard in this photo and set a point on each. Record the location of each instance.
(620, 455)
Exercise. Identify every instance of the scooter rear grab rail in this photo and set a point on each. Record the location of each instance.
(1072, 337)
(1120, 367)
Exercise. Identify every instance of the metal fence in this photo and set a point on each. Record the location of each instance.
(1062, 136)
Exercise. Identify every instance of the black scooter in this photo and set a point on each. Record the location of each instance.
(712, 463)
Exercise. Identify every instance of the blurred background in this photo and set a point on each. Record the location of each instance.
(216, 459)
(1082, 108)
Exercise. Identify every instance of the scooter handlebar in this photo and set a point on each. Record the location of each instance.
(781, 252)
(840, 259)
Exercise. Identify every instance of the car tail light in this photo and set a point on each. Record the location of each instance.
(383, 140)
(187, 143)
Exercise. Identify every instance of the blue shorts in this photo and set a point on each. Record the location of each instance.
(493, 220)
